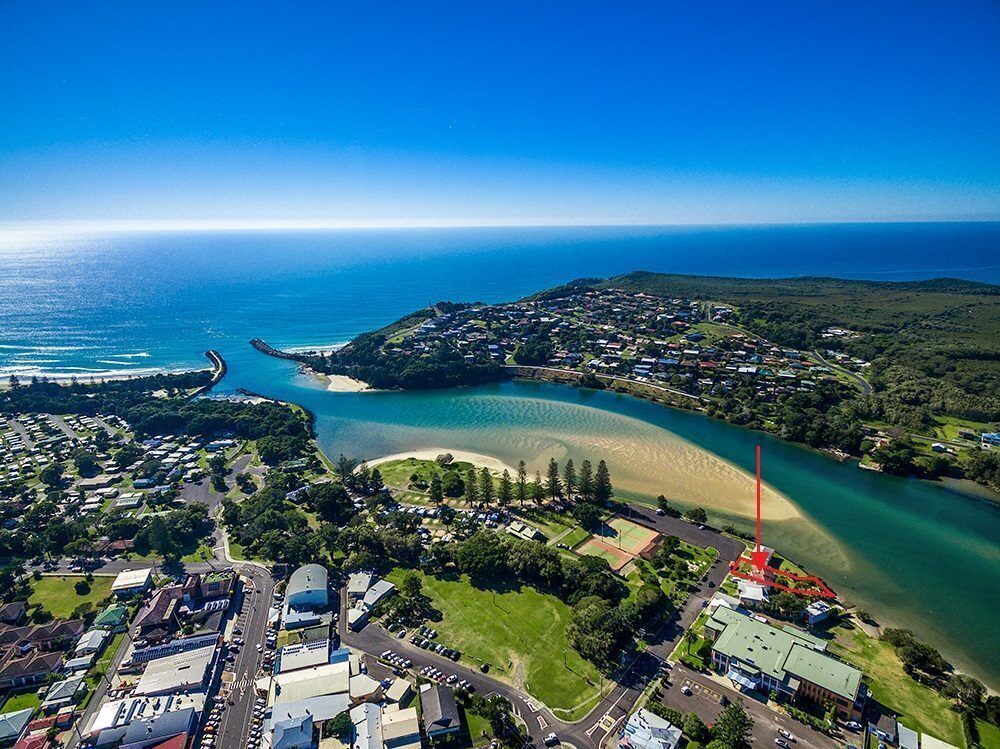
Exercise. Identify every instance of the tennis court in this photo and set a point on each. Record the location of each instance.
(631, 537)
(595, 547)
(619, 541)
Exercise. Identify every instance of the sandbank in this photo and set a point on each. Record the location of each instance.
(483, 461)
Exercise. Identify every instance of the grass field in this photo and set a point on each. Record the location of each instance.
(59, 597)
(919, 707)
(21, 700)
(396, 473)
(989, 735)
(521, 633)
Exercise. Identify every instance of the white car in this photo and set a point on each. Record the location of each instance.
(786, 734)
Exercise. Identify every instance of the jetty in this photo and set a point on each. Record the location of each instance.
(219, 370)
(264, 348)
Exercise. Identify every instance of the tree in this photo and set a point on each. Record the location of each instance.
(537, 489)
(553, 485)
(522, 483)
(86, 463)
(159, 536)
(586, 481)
(569, 478)
(345, 467)
(452, 484)
(471, 486)
(341, 727)
(602, 483)
(689, 638)
(734, 726)
(588, 515)
(695, 729)
(411, 586)
(436, 491)
(696, 515)
(486, 489)
(52, 474)
(967, 691)
(506, 491)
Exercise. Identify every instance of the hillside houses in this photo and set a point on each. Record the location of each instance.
(680, 343)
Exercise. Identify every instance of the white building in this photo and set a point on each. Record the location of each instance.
(647, 731)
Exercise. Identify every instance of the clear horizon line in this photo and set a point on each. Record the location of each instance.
(10, 227)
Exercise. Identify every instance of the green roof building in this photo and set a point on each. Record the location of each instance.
(112, 618)
(792, 663)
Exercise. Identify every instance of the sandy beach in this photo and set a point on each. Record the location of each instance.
(343, 384)
(484, 461)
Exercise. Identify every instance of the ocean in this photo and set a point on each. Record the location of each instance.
(136, 302)
(913, 553)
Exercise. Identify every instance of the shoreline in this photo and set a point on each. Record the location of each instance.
(95, 378)
(338, 383)
(459, 456)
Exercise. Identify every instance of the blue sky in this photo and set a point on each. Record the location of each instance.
(388, 113)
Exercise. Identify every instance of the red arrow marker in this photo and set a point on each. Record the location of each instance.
(758, 557)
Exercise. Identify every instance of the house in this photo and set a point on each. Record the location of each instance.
(301, 655)
(12, 613)
(818, 611)
(758, 657)
(158, 618)
(990, 439)
(644, 730)
(882, 723)
(908, 738)
(367, 719)
(378, 592)
(92, 642)
(524, 531)
(130, 583)
(64, 693)
(357, 585)
(176, 673)
(12, 724)
(56, 635)
(440, 712)
(400, 728)
(292, 732)
(112, 618)
(399, 692)
(146, 733)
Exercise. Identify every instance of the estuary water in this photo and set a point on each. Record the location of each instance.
(917, 554)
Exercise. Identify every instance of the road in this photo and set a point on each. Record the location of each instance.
(238, 682)
(861, 382)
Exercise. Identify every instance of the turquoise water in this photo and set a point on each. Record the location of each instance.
(911, 552)
(916, 552)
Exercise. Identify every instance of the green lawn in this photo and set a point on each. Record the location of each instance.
(59, 597)
(919, 707)
(574, 537)
(396, 473)
(989, 735)
(521, 635)
(22, 699)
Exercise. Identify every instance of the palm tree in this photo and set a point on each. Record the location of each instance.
(690, 637)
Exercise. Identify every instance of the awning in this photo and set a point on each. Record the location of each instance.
(740, 678)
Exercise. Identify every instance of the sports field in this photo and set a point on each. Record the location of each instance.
(619, 541)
